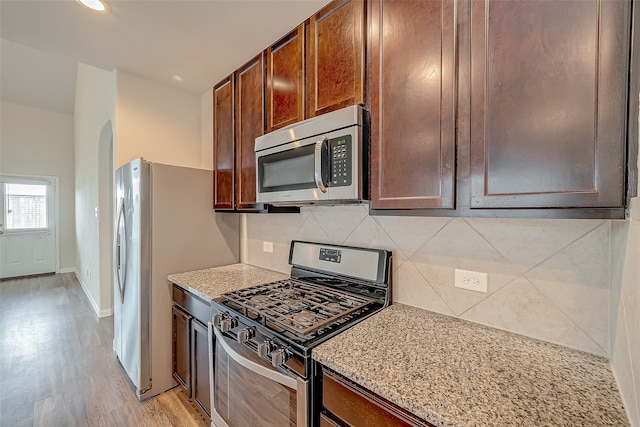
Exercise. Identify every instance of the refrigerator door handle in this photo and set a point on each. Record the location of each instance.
(119, 248)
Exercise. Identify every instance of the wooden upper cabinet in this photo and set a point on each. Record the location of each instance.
(548, 103)
(223, 145)
(413, 79)
(249, 121)
(285, 80)
(336, 57)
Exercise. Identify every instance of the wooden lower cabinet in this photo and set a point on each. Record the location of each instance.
(201, 392)
(181, 358)
(190, 356)
(325, 421)
(347, 404)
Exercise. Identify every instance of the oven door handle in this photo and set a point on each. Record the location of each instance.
(318, 164)
(254, 367)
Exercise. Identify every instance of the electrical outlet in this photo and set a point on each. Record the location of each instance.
(471, 280)
(267, 246)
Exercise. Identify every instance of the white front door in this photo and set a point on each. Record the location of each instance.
(28, 243)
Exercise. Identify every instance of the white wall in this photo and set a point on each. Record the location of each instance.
(625, 345)
(106, 213)
(571, 282)
(625, 306)
(120, 117)
(40, 142)
(157, 122)
(548, 279)
(94, 108)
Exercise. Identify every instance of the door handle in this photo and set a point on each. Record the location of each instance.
(117, 252)
(318, 164)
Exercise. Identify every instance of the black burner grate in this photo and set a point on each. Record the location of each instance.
(297, 306)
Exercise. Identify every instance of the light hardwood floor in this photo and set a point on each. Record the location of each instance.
(58, 368)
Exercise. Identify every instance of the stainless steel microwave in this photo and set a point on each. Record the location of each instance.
(320, 160)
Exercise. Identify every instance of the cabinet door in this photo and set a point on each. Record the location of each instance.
(200, 364)
(223, 145)
(285, 81)
(181, 349)
(412, 104)
(548, 103)
(346, 403)
(336, 57)
(249, 125)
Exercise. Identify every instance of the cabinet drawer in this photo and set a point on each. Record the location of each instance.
(356, 406)
(325, 421)
(195, 306)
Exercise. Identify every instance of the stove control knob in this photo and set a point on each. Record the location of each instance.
(217, 318)
(264, 348)
(227, 324)
(278, 357)
(245, 335)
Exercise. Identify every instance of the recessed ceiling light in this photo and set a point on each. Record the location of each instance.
(177, 78)
(96, 5)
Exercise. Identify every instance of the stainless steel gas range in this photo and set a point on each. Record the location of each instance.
(261, 337)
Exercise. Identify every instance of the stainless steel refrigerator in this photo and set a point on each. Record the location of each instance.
(165, 224)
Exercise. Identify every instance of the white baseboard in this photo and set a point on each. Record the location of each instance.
(67, 270)
(106, 312)
(634, 208)
(100, 313)
(93, 303)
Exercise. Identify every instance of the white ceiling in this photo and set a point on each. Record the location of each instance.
(200, 41)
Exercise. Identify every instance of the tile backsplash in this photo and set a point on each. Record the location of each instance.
(548, 279)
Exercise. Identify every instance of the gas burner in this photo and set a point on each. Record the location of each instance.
(298, 306)
(295, 305)
(258, 300)
(303, 319)
(333, 307)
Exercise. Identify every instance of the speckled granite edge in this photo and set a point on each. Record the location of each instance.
(451, 372)
(212, 282)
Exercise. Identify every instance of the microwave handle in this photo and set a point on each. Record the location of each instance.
(318, 164)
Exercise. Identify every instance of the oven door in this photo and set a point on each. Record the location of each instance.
(293, 172)
(248, 391)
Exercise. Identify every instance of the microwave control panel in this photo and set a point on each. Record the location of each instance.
(340, 150)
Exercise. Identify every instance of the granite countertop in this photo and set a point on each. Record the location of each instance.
(451, 372)
(212, 282)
